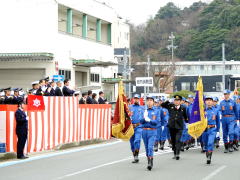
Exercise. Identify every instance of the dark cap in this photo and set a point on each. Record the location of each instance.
(47, 78)
(177, 97)
(7, 89)
(17, 89)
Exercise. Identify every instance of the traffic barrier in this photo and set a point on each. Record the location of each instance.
(63, 121)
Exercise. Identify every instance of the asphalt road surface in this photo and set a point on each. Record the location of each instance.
(112, 161)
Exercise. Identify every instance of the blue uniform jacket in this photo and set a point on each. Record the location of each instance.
(213, 117)
(137, 113)
(189, 110)
(164, 117)
(154, 115)
(229, 107)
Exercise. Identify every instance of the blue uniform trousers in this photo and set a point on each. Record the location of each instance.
(135, 140)
(208, 138)
(236, 132)
(228, 128)
(149, 138)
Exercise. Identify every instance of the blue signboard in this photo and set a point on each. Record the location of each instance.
(58, 78)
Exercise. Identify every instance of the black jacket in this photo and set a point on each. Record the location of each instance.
(176, 116)
(17, 99)
(82, 101)
(94, 101)
(58, 92)
(8, 100)
(51, 93)
(67, 91)
(89, 100)
(101, 101)
(22, 123)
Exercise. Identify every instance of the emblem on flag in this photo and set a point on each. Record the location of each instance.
(35, 103)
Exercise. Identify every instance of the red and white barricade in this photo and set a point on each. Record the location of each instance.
(63, 121)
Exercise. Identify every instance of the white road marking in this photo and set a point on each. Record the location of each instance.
(114, 162)
(57, 153)
(214, 173)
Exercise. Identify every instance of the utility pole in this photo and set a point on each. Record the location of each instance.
(130, 71)
(125, 67)
(171, 38)
(223, 61)
(148, 69)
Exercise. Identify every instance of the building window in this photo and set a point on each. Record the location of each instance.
(65, 73)
(228, 67)
(194, 85)
(185, 86)
(94, 78)
(213, 67)
(219, 86)
(237, 84)
(202, 67)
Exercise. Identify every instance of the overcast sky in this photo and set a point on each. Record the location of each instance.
(138, 11)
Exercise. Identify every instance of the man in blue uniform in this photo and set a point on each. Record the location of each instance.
(236, 127)
(191, 140)
(21, 130)
(136, 116)
(212, 129)
(164, 121)
(217, 107)
(149, 133)
(159, 126)
(229, 117)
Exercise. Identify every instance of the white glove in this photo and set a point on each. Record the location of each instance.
(147, 119)
(217, 135)
(238, 123)
(162, 128)
(145, 114)
(27, 118)
(187, 125)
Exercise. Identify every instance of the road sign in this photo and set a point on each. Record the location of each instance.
(144, 81)
(58, 78)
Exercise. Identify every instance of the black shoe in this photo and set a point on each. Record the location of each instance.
(209, 157)
(135, 156)
(150, 164)
(226, 148)
(235, 147)
(231, 147)
(156, 147)
(162, 145)
(22, 157)
(177, 157)
(182, 148)
(217, 144)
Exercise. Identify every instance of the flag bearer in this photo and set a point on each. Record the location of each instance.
(149, 133)
(229, 119)
(136, 116)
(212, 129)
(177, 116)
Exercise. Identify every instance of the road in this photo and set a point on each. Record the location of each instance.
(112, 161)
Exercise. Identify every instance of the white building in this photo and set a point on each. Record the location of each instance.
(74, 38)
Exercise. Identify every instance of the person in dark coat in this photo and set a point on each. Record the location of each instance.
(21, 130)
(94, 98)
(42, 88)
(66, 91)
(89, 98)
(17, 98)
(50, 90)
(177, 116)
(83, 98)
(101, 99)
(58, 90)
(8, 99)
